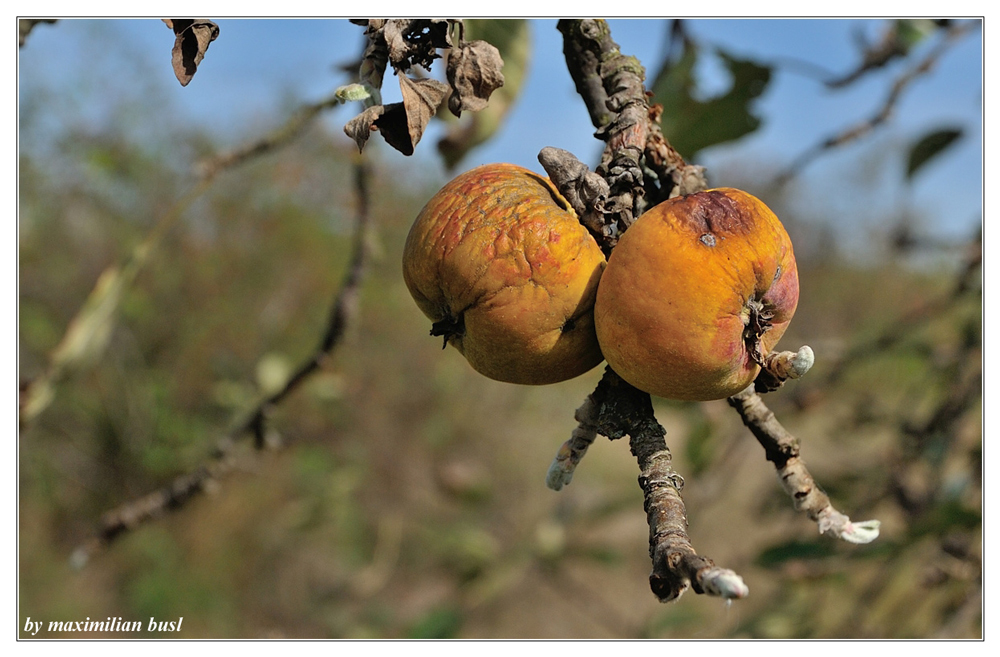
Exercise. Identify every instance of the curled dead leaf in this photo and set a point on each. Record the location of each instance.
(421, 98)
(360, 127)
(192, 37)
(401, 124)
(416, 41)
(474, 72)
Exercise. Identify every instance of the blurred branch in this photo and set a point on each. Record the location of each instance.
(859, 130)
(88, 333)
(875, 55)
(296, 124)
(177, 493)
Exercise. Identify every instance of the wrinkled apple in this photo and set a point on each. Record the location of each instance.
(507, 274)
(695, 295)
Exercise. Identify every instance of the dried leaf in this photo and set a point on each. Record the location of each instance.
(392, 124)
(192, 38)
(413, 42)
(25, 26)
(474, 72)
(360, 127)
(513, 39)
(421, 98)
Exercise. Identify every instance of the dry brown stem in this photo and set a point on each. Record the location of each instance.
(612, 88)
(571, 453)
(177, 493)
(629, 411)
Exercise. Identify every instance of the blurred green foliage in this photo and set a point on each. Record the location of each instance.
(408, 499)
(691, 122)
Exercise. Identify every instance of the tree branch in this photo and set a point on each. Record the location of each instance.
(612, 87)
(619, 110)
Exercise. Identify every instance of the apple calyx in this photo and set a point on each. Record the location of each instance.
(449, 327)
(757, 321)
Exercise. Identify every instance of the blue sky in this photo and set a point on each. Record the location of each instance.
(258, 68)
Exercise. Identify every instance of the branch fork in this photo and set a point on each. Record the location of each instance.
(612, 87)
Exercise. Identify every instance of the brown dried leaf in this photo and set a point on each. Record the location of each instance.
(413, 42)
(192, 37)
(421, 98)
(360, 127)
(395, 131)
(474, 72)
(401, 124)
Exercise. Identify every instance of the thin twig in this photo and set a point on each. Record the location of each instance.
(782, 449)
(296, 124)
(175, 495)
(865, 127)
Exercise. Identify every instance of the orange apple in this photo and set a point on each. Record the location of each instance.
(697, 291)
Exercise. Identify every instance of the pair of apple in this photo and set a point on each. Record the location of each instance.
(694, 295)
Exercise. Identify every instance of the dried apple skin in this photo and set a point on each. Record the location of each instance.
(507, 274)
(695, 293)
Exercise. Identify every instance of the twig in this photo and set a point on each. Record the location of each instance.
(88, 332)
(571, 453)
(863, 128)
(629, 411)
(874, 56)
(611, 85)
(782, 449)
(175, 495)
(292, 128)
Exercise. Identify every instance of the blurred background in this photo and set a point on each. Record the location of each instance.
(401, 495)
